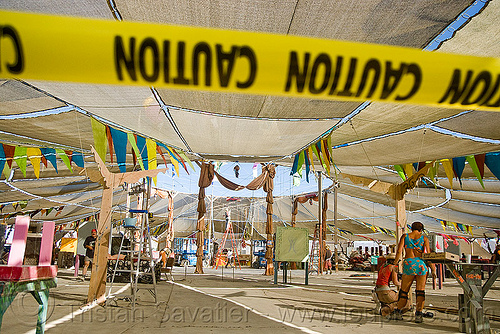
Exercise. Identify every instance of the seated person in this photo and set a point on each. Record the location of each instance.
(496, 255)
(165, 253)
(388, 298)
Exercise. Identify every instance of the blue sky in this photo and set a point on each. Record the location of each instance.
(282, 182)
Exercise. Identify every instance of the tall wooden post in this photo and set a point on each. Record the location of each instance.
(400, 230)
(400, 219)
(110, 181)
(97, 285)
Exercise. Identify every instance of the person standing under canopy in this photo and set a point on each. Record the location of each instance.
(414, 269)
(89, 245)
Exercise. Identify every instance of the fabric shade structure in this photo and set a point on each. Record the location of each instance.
(168, 115)
(367, 139)
(359, 208)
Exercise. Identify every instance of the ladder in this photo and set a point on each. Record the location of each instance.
(229, 232)
(314, 254)
(139, 249)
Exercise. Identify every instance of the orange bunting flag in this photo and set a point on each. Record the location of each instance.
(110, 143)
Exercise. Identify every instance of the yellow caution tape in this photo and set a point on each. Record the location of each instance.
(44, 47)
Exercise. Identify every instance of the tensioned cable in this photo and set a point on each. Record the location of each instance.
(462, 19)
(343, 121)
(81, 146)
(39, 113)
(44, 198)
(447, 199)
(252, 118)
(420, 127)
(165, 110)
(462, 135)
(48, 143)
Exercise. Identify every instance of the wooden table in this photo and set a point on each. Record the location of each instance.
(472, 318)
(36, 279)
(38, 288)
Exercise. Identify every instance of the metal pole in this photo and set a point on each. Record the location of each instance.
(284, 272)
(307, 273)
(320, 221)
(275, 273)
(335, 241)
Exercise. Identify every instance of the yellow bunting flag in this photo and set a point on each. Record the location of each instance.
(448, 169)
(408, 168)
(324, 154)
(35, 157)
(315, 150)
(152, 162)
(6, 171)
(174, 161)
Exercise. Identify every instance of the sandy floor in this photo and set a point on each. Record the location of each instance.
(241, 300)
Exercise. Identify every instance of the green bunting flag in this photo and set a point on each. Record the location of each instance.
(64, 158)
(21, 158)
(400, 171)
(131, 140)
(100, 139)
(473, 165)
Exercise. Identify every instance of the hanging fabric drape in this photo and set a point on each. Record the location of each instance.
(206, 177)
(264, 180)
(255, 184)
(268, 186)
(227, 183)
(301, 199)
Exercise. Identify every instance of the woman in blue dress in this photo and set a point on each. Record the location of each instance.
(414, 269)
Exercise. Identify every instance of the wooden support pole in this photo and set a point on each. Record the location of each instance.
(110, 181)
(400, 219)
(400, 230)
(97, 285)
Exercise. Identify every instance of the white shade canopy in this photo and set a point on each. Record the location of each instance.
(263, 128)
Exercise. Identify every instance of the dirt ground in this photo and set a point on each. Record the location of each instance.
(238, 301)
